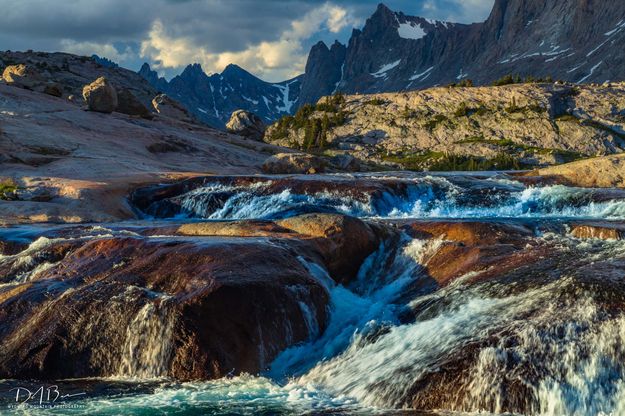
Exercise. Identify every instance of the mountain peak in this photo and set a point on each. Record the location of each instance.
(234, 70)
(193, 69)
(383, 8)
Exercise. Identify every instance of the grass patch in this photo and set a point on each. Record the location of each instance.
(567, 155)
(444, 162)
(433, 123)
(8, 190)
(376, 101)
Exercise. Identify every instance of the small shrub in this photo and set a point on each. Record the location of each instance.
(376, 101)
(8, 190)
(466, 83)
(513, 107)
(463, 110)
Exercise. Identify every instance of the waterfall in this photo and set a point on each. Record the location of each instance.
(424, 197)
(148, 346)
(551, 341)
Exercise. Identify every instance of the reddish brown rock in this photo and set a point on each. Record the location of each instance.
(473, 247)
(195, 309)
(345, 242)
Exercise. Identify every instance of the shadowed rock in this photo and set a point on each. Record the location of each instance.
(166, 106)
(127, 103)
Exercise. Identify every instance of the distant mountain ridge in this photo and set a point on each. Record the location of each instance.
(572, 40)
(213, 98)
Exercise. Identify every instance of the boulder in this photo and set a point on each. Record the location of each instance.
(289, 163)
(100, 96)
(246, 124)
(600, 172)
(23, 76)
(179, 308)
(346, 163)
(168, 107)
(344, 242)
(127, 103)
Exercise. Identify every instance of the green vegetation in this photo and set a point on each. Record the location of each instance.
(315, 128)
(463, 110)
(8, 190)
(516, 79)
(511, 146)
(465, 83)
(376, 101)
(433, 123)
(443, 162)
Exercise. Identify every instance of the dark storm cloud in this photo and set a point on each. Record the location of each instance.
(214, 26)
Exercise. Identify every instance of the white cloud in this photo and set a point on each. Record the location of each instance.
(271, 60)
(101, 49)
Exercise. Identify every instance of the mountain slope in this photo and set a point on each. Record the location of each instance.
(536, 124)
(573, 40)
(213, 98)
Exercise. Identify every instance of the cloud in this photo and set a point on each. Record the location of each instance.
(270, 38)
(107, 50)
(272, 60)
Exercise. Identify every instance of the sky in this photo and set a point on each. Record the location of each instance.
(269, 38)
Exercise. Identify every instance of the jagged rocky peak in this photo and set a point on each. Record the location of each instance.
(213, 98)
(572, 40)
(192, 70)
(326, 65)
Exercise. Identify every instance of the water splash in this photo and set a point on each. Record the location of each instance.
(425, 197)
(147, 351)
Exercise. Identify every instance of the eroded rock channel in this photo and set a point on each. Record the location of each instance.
(463, 293)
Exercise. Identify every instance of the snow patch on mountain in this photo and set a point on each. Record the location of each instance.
(411, 30)
(382, 72)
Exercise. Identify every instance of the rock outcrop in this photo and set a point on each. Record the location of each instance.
(71, 72)
(72, 165)
(532, 124)
(282, 163)
(24, 76)
(170, 312)
(246, 124)
(195, 309)
(100, 96)
(127, 103)
(168, 107)
(602, 172)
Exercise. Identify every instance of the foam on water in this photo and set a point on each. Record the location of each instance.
(426, 197)
(243, 395)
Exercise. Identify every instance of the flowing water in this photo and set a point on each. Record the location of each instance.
(550, 340)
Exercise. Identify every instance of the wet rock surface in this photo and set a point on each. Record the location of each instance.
(193, 307)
